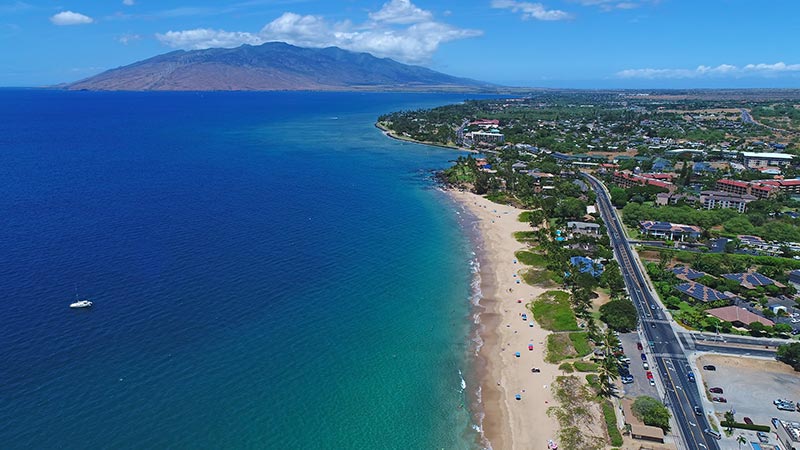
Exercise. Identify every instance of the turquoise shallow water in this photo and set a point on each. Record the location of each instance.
(267, 270)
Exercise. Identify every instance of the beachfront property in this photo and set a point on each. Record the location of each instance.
(668, 230)
(687, 273)
(720, 199)
(754, 160)
(584, 227)
(487, 137)
(789, 187)
(586, 265)
(701, 292)
(738, 316)
(752, 280)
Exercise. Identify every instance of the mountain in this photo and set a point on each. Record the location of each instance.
(269, 67)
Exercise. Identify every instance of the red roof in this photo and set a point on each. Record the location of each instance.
(738, 314)
(741, 184)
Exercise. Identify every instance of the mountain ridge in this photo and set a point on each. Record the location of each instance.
(272, 66)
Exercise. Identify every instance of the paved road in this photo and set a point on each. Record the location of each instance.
(746, 117)
(681, 395)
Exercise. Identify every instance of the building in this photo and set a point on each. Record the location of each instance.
(757, 189)
(794, 277)
(586, 265)
(789, 187)
(487, 138)
(687, 273)
(638, 429)
(738, 316)
(720, 199)
(754, 160)
(584, 227)
(666, 198)
(752, 280)
(788, 433)
(628, 180)
(671, 231)
(701, 292)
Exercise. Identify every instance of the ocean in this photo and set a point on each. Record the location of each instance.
(267, 270)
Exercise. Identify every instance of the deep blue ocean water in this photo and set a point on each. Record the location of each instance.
(267, 271)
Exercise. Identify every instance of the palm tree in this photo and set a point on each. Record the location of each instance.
(741, 440)
(609, 368)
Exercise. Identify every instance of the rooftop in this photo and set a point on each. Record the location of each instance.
(688, 273)
(738, 314)
(701, 292)
(767, 155)
(750, 280)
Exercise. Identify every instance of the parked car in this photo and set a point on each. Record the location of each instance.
(712, 433)
(639, 345)
(645, 365)
(748, 420)
(709, 367)
(626, 379)
(719, 399)
(716, 390)
(644, 357)
(649, 375)
(652, 382)
(763, 437)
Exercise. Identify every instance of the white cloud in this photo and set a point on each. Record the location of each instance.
(399, 30)
(128, 2)
(70, 18)
(609, 5)
(126, 39)
(531, 10)
(722, 70)
(401, 11)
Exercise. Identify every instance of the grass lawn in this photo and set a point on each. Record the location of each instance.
(525, 236)
(531, 259)
(566, 368)
(559, 348)
(538, 277)
(580, 342)
(582, 366)
(525, 216)
(610, 416)
(553, 312)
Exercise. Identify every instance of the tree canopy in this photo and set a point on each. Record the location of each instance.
(790, 354)
(651, 412)
(620, 315)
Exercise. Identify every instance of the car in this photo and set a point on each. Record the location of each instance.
(763, 437)
(795, 332)
(652, 382)
(627, 380)
(698, 411)
(716, 390)
(712, 433)
(709, 367)
(719, 399)
(639, 345)
(691, 376)
(748, 420)
(649, 374)
(653, 305)
(645, 365)
(644, 357)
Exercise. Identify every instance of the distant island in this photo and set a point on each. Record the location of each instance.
(274, 66)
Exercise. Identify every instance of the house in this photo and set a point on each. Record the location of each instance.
(738, 316)
(584, 227)
(701, 292)
(753, 160)
(788, 433)
(638, 429)
(668, 230)
(586, 265)
(687, 273)
(720, 199)
(751, 280)
(701, 166)
(661, 165)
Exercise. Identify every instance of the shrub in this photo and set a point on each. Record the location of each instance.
(582, 366)
(746, 426)
(566, 368)
(611, 423)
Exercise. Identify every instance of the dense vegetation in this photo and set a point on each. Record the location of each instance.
(790, 354)
(651, 412)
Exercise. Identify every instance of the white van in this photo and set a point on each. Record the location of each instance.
(712, 433)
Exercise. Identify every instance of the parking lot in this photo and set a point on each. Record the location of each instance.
(750, 385)
(640, 385)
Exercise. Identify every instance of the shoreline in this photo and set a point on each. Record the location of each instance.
(392, 135)
(500, 332)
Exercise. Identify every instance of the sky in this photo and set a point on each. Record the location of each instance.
(552, 43)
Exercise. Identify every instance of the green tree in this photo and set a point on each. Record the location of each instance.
(741, 440)
(620, 315)
(651, 412)
(619, 196)
(728, 421)
(790, 354)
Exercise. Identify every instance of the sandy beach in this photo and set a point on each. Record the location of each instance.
(509, 423)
